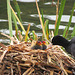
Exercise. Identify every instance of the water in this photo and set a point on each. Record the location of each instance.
(65, 18)
(30, 16)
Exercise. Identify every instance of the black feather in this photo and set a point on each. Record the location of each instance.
(68, 45)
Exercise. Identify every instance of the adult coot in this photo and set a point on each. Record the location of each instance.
(68, 45)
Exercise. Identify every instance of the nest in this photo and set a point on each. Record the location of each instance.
(20, 59)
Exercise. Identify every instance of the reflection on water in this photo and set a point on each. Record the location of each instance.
(52, 26)
(26, 23)
(49, 3)
(65, 18)
(16, 12)
(6, 31)
(4, 40)
(26, 0)
(2, 20)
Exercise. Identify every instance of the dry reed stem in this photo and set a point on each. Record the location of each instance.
(11, 70)
(19, 69)
(31, 71)
(51, 72)
(25, 73)
(27, 32)
(40, 19)
(10, 38)
(2, 56)
(57, 5)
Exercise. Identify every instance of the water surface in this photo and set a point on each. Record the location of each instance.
(30, 16)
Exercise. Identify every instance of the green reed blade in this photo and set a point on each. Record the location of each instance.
(59, 16)
(17, 19)
(15, 23)
(46, 25)
(73, 33)
(33, 32)
(42, 17)
(17, 9)
(69, 23)
(9, 18)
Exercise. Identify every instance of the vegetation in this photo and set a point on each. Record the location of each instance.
(44, 24)
(21, 58)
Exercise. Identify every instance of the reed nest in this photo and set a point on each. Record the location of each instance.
(20, 59)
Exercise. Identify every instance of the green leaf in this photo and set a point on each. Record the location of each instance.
(46, 25)
(73, 33)
(59, 16)
(15, 23)
(66, 31)
(9, 18)
(17, 9)
(34, 36)
(42, 17)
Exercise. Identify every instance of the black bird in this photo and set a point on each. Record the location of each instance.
(68, 45)
(44, 45)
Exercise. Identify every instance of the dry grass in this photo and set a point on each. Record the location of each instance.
(20, 59)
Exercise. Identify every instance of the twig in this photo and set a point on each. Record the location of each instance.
(19, 69)
(11, 70)
(10, 37)
(25, 73)
(1, 58)
(32, 70)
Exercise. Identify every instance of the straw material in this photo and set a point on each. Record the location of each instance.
(20, 59)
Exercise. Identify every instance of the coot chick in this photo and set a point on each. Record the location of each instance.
(44, 45)
(68, 45)
(38, 45)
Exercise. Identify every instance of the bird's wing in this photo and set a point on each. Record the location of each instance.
(73, 49)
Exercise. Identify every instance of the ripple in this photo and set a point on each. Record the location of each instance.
(26, 23)
(4, 40)
(50, 3)
(16, 12)
(52, 26)
(6, 31)
(74, 10)
(2, 20)
(65, 18)
(26, 0)
(39, 34)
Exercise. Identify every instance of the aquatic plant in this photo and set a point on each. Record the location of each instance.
(66, 31)
(59, 17)
(21, 59)
(44, 24)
